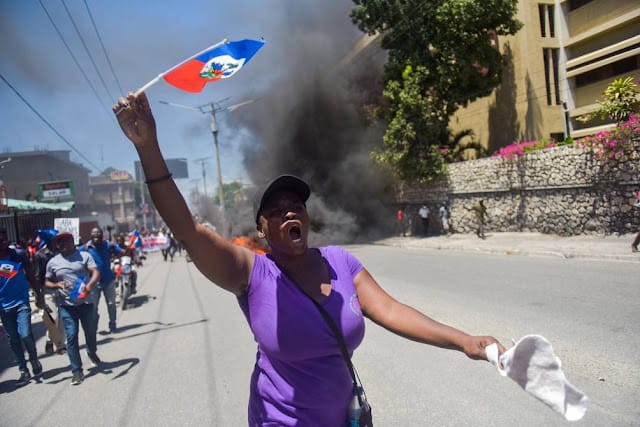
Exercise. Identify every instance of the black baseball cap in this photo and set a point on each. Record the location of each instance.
(283, 182)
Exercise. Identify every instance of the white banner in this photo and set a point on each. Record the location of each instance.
(154, 243)
(68, 225)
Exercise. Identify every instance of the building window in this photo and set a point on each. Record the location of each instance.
(546, 16)
(557, 136)
(542, 15)
(551, 79)
(608, 71)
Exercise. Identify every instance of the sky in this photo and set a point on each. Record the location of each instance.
(141, 40)
(305, 118)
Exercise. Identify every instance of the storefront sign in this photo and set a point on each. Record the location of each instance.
(55, 190)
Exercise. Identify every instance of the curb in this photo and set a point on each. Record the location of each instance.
(612, 251)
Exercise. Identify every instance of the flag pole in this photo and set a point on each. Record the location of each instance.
(161, 75)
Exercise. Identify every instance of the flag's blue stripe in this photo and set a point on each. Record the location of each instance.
(240, 49)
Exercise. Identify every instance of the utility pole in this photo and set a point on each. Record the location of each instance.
(204, 174)
(143, 205)
(212, 109)
(197, 194)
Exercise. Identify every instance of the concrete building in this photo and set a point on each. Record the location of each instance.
(46, 176)
(600, 41)
(115, 195)
(559, 63)
(51, 176)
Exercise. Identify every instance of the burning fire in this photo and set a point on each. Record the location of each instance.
(250, 243)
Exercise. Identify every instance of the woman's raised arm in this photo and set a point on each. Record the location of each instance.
(222, 262)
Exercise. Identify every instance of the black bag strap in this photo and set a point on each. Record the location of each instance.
(357, 384)
(332, 325)
(336, 332)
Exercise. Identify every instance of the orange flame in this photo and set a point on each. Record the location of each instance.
(250, 243)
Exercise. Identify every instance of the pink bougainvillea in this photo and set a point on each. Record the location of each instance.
(613, 144)
(604, 144)
(519, 148)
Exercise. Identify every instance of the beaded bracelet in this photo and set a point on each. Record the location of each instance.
(162, 178)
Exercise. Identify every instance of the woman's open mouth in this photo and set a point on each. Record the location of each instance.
(295, 233)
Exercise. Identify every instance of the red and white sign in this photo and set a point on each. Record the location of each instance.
(154, 243)
(119, 176)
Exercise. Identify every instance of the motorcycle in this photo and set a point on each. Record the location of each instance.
(126, 276)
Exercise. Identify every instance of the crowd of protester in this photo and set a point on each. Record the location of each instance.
(73, 277)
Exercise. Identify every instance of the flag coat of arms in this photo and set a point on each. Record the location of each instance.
(219, 62)
(8, 270)
(14, 288)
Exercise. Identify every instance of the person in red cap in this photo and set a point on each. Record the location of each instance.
(73, 274)
(300, 376)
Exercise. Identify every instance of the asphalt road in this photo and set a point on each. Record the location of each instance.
(184, 354)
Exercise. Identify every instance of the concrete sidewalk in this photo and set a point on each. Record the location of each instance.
(612, 247)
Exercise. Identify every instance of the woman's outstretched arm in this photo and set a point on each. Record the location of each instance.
(408, 322)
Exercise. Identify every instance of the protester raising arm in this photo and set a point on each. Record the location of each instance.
(300, 377)
(222, 262)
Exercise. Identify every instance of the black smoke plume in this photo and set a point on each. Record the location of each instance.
(312, 123)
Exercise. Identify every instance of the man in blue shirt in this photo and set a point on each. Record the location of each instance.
(15, 310)
(102, 251)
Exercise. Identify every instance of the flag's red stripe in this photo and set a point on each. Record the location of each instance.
(9, 275)
(187, 77)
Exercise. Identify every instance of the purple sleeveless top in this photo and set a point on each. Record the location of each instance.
(300, 377)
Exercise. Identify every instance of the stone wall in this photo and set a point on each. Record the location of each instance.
(562, 190)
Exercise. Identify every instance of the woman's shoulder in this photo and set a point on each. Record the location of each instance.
(263, 264)
(338, 254)
(333, 250)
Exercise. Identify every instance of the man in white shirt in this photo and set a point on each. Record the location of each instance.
(424, 217)
(444, 218)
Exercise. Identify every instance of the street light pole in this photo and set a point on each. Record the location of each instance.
(204, 174)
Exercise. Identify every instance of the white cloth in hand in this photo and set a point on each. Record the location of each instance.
(532, 364)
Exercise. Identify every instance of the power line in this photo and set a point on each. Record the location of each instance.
(95, 92)
(103, 48)
(47, 123)
(86, 49)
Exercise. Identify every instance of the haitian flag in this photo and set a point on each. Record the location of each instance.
(9, 269)
(217, 62)
(77, 289)
(136, 240)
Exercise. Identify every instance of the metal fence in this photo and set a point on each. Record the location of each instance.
(23, 224)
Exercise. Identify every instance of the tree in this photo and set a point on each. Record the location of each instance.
(231, 191)
(442, 55)
(107, 171)
(620, 100)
